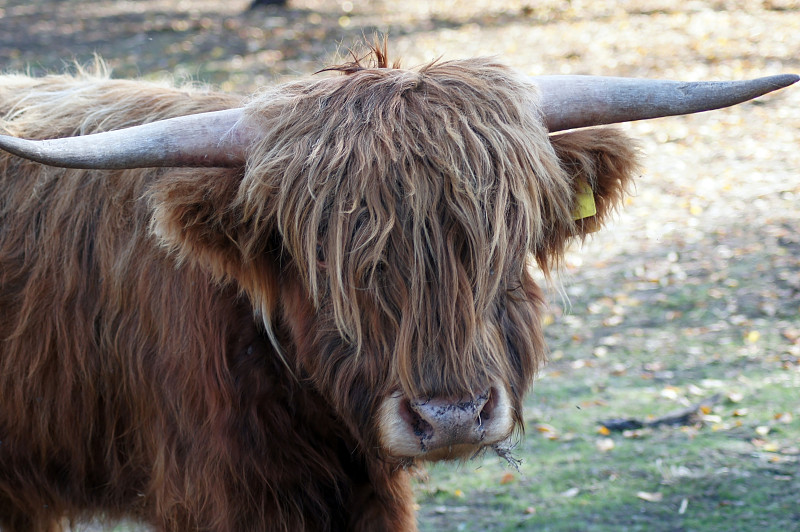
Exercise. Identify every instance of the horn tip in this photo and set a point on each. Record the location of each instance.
(782, 80)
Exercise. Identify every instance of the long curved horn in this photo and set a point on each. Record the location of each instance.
(216, 138)
(570, 102)
(219, 138)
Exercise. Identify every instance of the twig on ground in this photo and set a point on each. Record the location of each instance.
(686, 416)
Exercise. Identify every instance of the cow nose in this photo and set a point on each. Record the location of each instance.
(444, 427)
(440, 421)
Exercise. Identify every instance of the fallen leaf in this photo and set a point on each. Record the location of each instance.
(670, 392)
(793, 335)
(547, 431)
(633, 434)
(605, 444)
(507, 478)
(618, 370)
(735, 397)
(600, 351)
(695, 390)
(684, 505)
(572, 492)
(603, 430)
(650, 497)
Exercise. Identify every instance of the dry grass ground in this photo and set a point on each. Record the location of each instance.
(694, 290)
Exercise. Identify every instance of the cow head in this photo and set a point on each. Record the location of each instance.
(384, 223)
(409, 203)
(407, 206)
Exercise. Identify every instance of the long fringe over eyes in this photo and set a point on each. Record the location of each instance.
(419, 191)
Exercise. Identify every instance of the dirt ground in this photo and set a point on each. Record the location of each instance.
(712, 185)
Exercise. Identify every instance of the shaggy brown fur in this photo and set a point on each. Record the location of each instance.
(380, 234)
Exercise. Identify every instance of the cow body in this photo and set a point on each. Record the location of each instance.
(132, 386)
(228, 349)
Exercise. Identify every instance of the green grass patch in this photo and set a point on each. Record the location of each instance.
(652, 335)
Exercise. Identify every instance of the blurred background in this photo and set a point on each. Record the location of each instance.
(689, 301)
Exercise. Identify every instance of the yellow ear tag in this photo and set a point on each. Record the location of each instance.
(584, 203)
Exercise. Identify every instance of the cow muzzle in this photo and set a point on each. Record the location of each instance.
(440, 428)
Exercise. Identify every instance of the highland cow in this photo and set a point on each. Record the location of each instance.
(261, 314)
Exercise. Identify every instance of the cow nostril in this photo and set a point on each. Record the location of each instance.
(488, 408)
(421, 428)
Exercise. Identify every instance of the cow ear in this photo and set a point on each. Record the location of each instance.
(601, 164)
(194, 217)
